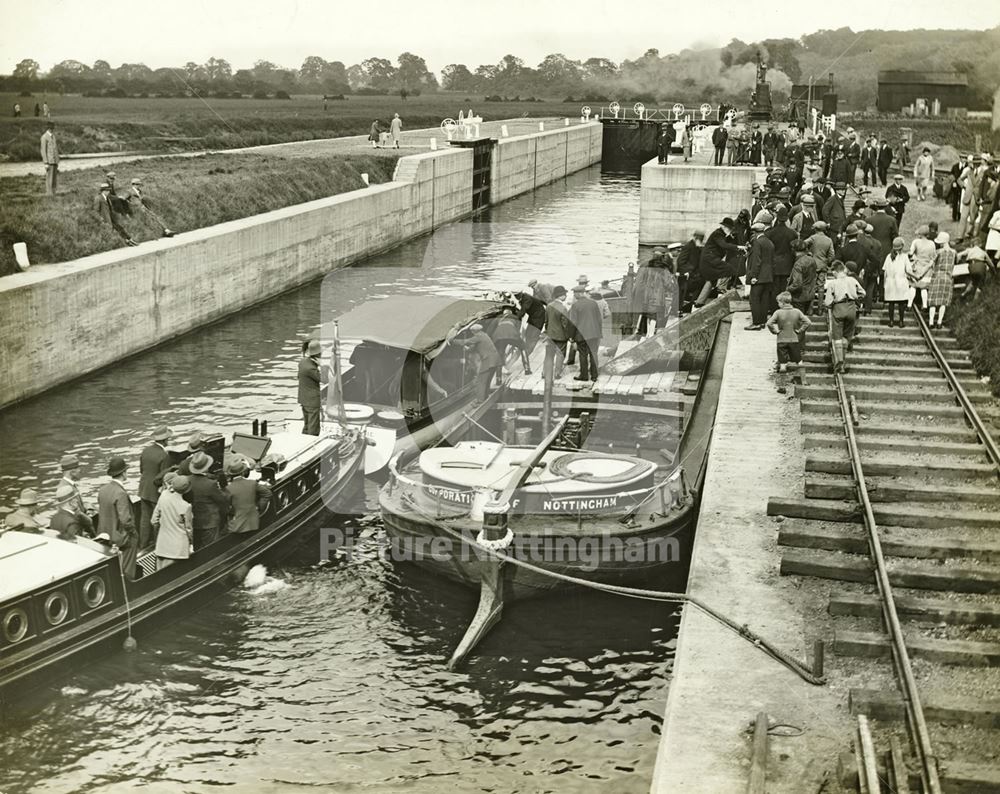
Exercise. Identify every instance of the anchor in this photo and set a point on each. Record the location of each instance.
(496, 536)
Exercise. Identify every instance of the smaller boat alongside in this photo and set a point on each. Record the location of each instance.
(64, 601)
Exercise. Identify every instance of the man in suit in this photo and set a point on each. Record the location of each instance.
(834, 212)
(770, 145)
(782, 236)
(883, 162)
(67, 520)
(756, 143)
(104, 210)
(153, 462)
(720, 136)
(855, 251)
(209, 503)
(663, 143)
(311, 375)
(852, 154)
(115, 516)
(50, 157)
(884, 229)
(897, 195)
(70, 467)
(585, 315)
(869, 160)
(558, 332)
(760, 276)
(249, 498)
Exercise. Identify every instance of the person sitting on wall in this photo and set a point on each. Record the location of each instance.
(104, 210)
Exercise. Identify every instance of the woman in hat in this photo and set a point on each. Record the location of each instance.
(23, 516)
(374, 134)
(894, 281)
(941, 287)
(922, 256)
(174, 521)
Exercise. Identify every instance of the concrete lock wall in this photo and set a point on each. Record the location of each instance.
(525, 162)
(64, 320)
(677, 200)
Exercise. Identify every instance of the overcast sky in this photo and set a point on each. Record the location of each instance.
(172, 32)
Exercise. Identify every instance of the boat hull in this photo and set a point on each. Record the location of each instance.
(155, 601)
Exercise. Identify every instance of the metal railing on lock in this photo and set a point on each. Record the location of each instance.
(915, 718)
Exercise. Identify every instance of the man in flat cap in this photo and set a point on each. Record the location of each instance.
(69, 465)
(106, 212)
(140, 203)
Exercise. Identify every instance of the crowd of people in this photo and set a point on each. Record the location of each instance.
(183, 506)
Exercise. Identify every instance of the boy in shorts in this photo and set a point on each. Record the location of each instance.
(789, 324)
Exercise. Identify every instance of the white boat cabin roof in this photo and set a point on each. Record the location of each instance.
(29, 561)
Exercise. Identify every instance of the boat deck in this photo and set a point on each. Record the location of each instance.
(668, 388)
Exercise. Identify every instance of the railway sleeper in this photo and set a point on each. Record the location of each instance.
(818, 438)
(896, 542)
(940, 393)
(983, 579)
(955, 612)
(956, 777)
(898, 489)
(875, 645)
(874, 431)
(941, 469)
(869, 409)
(889, 514)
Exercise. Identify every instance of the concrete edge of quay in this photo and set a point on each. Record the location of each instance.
(68, 319)
(720, 680)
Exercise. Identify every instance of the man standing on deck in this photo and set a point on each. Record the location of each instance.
(311, 375)
(70, 466)
(209, 503)
(557, 332)
(534, 310)
(153, 462)
(541, 291)
(585, 315)
(115, 517)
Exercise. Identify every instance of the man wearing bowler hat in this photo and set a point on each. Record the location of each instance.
(153, 462)
(115, 517)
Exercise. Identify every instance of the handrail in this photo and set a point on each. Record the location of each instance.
(915, 719)
(992, 449)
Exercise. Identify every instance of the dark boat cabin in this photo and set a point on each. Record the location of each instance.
(404, 358)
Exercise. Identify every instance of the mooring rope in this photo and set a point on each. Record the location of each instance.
(742, 630)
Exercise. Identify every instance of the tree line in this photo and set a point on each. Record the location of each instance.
(691, 75)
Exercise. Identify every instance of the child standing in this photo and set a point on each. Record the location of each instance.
(787, 323)
(894, 279)
(941, 287)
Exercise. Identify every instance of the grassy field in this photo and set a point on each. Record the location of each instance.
(189, 193)
(104, 124)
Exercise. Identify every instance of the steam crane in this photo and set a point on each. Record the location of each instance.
(760, 99)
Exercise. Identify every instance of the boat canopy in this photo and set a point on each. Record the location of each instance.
(30, 561)
(419, 323)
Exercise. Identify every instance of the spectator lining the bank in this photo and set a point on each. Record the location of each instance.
(104, 210)
(923, 172)
(396, 129)
(140, 202)
(895, 284)
(942, 286)
(50, 157)
(374, 134)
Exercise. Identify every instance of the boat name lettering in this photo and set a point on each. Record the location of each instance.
(570, 504)
(451, 495)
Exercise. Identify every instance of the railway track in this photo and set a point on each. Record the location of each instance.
(900, 519)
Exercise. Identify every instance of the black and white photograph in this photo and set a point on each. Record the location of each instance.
(500, 397)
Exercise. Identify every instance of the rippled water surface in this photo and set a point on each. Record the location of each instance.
(339, 681)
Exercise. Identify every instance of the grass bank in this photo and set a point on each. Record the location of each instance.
(108, 124)
(187, 193)
(976, 324)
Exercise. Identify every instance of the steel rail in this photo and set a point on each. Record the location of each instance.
(915, 719)
(992, 449)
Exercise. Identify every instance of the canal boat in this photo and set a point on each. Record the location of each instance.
(407, 382)
(608, 494)
(62, 602)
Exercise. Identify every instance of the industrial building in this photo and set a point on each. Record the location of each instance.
(899, 89)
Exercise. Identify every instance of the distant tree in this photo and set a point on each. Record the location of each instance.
(102, 70)
(379, 73)
(457, 77)
(69, 69)
(218, 71)
(599, 69)
(356, 77)
(26, 70)
(557, 74)
(311, 73)
(486, 75)
(244, 81)
(334, 80)
(412, 74)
